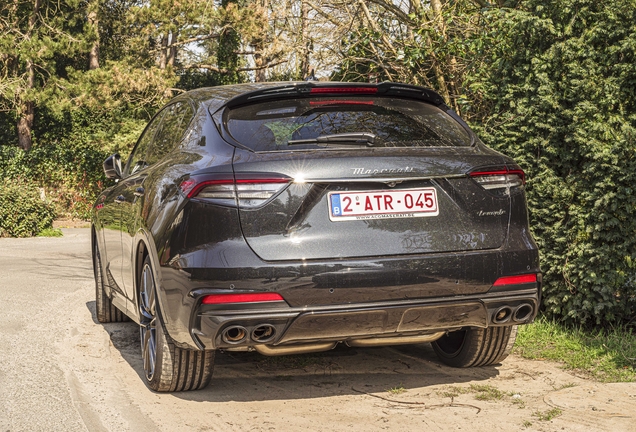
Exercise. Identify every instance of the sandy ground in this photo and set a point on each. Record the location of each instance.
(60, 370)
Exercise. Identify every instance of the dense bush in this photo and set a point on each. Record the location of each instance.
(23, 212)
(562, 88)
(67, 155)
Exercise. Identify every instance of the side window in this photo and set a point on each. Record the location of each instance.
(137, 160)
(175, 121)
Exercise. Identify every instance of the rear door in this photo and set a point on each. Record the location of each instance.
(390, 179)
(134, 174)
(171, 124)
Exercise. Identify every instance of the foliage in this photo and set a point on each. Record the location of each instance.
(605, 354)
(485, 392)
(229, 43)
(439, 49)
(66, 158)
(563, 104)
(552, 84)
(23, 213)
(548, 415)
(51, 232)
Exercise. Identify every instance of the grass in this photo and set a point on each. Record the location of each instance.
(397, 390)
(50, 232)
(607, 355)
(452, 391)
(484, 392)
(568, 385)
(547, 415)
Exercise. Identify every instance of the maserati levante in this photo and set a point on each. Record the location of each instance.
(288, 218)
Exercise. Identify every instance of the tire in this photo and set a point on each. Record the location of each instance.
(167, 368)
(475, 346)
(104, 309)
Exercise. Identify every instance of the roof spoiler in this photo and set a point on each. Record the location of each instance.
(307, 89)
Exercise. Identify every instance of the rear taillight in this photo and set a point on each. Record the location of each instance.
(340, 102)
(515, 280)
(246, 191)
(242, 298)
(500, 179)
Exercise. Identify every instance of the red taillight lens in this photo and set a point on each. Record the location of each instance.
(344, 90)
(340, 102)
(514, 280)
(245, 191)
(193, 186)
(242, 298)
(499, 179)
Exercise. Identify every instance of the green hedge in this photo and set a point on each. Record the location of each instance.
(23, 213)
(71, 175)
(563, 91)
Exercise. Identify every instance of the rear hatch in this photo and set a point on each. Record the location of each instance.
(360, 175)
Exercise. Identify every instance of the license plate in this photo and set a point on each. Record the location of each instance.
(383, 204)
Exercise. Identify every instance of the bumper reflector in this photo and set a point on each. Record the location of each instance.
(242, 298)
(514, 280)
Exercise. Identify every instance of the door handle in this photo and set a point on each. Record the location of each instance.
(139, 191)
(120, 199)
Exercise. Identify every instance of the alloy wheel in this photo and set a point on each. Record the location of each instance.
(148, 327)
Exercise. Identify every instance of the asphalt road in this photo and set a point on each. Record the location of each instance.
(60, 370)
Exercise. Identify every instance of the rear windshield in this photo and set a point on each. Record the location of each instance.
(380, 122)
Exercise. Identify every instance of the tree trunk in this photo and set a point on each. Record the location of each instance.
(444, 89)
(260, 75)
(93, 22)
(172, 49)
(25, 123)
(305, 40)
(27, 112)
(163, 52)
(27, 109)
(260, 59)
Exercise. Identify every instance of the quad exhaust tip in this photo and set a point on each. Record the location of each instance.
(522, 313)
(502, 315)
(234, 335)
(519, 314)
(263, 333)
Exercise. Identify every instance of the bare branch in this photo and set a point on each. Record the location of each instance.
(399, 13)
(375, 26)
(195, 39)
(225, 70)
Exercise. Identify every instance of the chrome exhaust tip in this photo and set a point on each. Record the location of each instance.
(234, 335)
(263, 333)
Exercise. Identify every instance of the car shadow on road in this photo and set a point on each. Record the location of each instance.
(249, 376)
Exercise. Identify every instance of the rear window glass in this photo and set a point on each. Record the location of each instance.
(379, 122)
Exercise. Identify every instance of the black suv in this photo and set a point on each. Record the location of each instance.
(291, 217)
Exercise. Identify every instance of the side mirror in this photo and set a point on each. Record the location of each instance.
(112, 167)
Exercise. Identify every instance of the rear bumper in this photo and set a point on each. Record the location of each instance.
(353, 322)
(342, 300)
